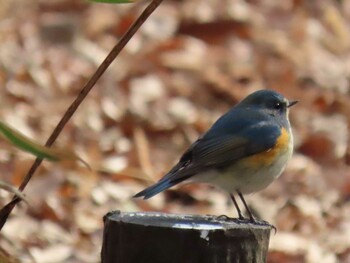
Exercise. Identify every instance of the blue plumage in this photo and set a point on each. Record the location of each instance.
(252, 126)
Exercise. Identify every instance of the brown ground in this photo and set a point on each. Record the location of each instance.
(190, 62)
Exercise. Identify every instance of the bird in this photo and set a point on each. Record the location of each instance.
(243, 152)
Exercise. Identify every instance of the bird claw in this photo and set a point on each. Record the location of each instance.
(250, 220)
(225, 217)
(272, 227)
(265, 223)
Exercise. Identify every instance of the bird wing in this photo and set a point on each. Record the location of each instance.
(217, 151)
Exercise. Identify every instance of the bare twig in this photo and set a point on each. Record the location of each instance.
(7, 209)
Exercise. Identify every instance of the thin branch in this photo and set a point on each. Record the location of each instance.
(7, 209)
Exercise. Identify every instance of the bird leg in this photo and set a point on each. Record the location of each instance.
(252, 219)
(240, 216)
(246, 207)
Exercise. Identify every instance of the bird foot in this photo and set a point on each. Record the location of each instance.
(250, 220)
(225, 217)
(265, 223)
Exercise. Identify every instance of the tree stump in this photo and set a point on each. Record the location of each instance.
(166, 238)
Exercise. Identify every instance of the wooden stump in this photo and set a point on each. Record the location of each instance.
(166, 238)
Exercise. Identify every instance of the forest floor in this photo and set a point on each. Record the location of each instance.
(189, 63)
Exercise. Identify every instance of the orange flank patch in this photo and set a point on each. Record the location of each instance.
(268, 157)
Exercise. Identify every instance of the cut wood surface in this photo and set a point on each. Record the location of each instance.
(159, 237)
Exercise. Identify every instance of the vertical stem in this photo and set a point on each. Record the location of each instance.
(6, 210)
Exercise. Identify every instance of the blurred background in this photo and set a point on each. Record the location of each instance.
(190, 62)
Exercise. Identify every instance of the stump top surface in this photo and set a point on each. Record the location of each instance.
(184, 221)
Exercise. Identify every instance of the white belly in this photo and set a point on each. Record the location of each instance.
(241, 178)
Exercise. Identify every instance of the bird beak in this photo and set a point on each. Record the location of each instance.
(292, 102)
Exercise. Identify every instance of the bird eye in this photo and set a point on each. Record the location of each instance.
(278, 106)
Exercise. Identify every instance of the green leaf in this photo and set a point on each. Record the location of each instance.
(114, 1)
(12, 189)
(24, 143)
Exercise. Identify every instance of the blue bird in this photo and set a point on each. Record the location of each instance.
(243, 152)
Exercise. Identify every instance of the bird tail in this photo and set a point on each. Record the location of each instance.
(154, 189)
(159, 187)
